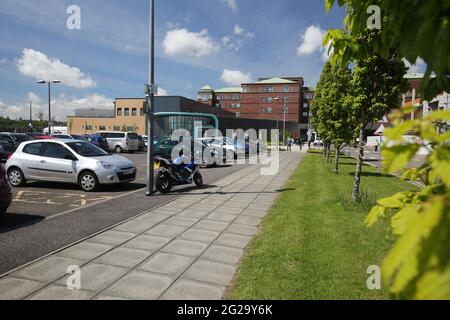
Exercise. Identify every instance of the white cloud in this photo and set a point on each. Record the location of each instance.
(238, 29)
(236, 40)
(162, 92)
(418, 67)
(182, 42)
(3, 61)
(311, 41)
(37, 65)
(231, 3)
(62, 106)
(235, 77)
(2, 104)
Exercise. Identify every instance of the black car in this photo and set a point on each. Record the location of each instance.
(11, 141)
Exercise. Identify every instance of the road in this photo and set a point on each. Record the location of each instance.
(45, 217)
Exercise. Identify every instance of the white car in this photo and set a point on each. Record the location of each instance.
(71, 161)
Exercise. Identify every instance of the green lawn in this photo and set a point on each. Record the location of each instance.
(314, 244)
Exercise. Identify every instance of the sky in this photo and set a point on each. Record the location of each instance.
(221, 43)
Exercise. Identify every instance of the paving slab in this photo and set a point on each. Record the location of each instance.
(124, 257)
(233, 240)
(16, 288)
(169, 264)
(184, 289)
(54, 292)
(166, 231)
(184, 247)
(112, 237)
(211, 225)
(223, 254)
(242, 230)
(210, 272)
(147, 243)
(200, 235)
(85, 251)
(138, 285)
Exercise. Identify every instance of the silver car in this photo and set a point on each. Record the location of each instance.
(71, 161)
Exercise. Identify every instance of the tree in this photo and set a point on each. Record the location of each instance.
(332, 116)
(414, 29)
(375, 90)
(40, 116)
(418, 265)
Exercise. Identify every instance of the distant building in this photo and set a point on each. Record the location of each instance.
(266, 99)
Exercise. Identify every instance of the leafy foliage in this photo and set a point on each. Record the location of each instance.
(412, 28)
(418, 265)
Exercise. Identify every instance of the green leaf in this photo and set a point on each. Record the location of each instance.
(401, 220)
(390, 202)
(374, 215)
(434, 285)
(328, 4)
(396, 133)
(399, 156)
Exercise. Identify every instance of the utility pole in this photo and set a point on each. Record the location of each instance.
(150, 102)
(31, 118)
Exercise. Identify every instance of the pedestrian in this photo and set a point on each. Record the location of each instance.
(377, 144)
(290, 141)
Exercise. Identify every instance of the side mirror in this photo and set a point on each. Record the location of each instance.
(71, 157)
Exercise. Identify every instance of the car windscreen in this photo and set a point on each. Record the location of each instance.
(86, 149)
(21, 137)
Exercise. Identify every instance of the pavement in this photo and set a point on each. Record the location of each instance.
(45, 217)
(187, 248)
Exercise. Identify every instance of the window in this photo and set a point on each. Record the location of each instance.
(134, 112)
(238, 105)
(116, 128)
(127, 112)
(89, 127)
(286, 89)
(305, 105)
(305, 114)
(33, 148)
(263, 100)
(244, 89)
(263, 110)
(119, 112)
(269, 100)
(309, 96)
(269, 110)
(53, 150)
(270, 89)
(141, 111)
(218, 97)
(102, 128)
(233, 106)
(130, 129)
(286, 99)
(238, 114)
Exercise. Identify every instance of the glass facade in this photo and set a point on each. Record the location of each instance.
(166, 124)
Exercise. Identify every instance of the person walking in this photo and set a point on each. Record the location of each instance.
(290, 141)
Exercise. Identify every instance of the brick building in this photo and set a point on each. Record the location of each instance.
(275, 99)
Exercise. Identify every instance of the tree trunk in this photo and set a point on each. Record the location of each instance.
(356, 191)
(328, 152)
(336, 161)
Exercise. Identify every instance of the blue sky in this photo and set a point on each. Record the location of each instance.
(215, 42)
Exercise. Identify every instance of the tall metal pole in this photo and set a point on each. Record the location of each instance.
(284, 122)
(150, 96)
(49, 110)
(31, 118)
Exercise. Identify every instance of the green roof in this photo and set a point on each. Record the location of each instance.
(206, 88)
(228, 90)
(275, 81)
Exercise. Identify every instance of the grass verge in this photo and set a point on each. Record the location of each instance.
(313, 243)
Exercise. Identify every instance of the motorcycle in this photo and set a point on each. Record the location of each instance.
(176, 174)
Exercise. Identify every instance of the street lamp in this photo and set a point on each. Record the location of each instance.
(285, 110)
(278, 111)
(49, 102)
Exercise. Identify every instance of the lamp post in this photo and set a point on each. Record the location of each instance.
(285, 109)
(150, 101)
(49, 102)
(31, 119)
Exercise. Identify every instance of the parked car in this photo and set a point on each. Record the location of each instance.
(11, 141)
(318, 142)
(3, 154)
(121, 141)
(142, 143)
(70, 161)
(163, 149)
(69, 137)
(98, 141)
(5, 191)
(39, 136)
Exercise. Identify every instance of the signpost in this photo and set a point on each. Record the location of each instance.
(150, 102)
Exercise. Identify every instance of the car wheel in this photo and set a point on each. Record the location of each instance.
(118, 149)
(16, 178)
(3, 211)
(88, 181)
(198, 179)
(204, 164)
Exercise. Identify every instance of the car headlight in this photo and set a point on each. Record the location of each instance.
(105, 165)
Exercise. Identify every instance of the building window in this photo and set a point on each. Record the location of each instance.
(244, 89)
(305, 105)
(269, 110)
(263, 100)
(233, 106)
(116, 128)
(126, 112)
(218, 97)
(238, 105)
(309, 96)
(286, 88)
(269, 100)
(119, 112)
(130, 129)
(270, 89)
(141, 111)
(263, 110)
(286, 99)
(134, 112)
(238, 114)
(89, 127)
(102, 128)
(305, 114)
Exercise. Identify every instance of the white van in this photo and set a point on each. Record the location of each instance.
(121, 141)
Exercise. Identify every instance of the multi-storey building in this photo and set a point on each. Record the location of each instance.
(276, 99)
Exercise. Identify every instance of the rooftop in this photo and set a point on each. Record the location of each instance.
(228, 90)
(414, 75)
(206, 88)
(275, 81)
